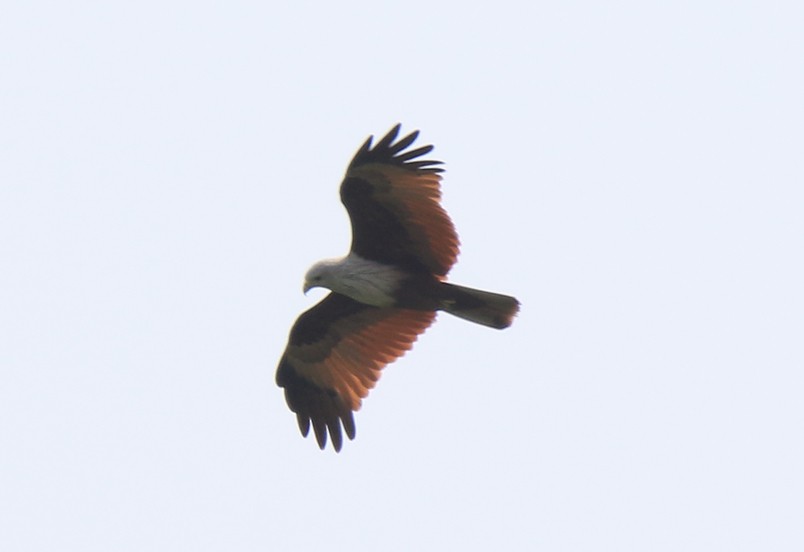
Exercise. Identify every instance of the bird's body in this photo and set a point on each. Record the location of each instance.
(365, 281)
(384, 293)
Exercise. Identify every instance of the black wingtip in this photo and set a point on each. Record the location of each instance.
(317, 407)
(320, 430)
(388, 139)
(304, 424)
(388, 152)
(365, 147)
(349, 426)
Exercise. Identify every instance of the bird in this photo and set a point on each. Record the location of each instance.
(384, 293)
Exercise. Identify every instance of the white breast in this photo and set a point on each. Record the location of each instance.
(366, 281)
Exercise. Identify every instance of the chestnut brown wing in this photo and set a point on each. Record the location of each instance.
(334, 356)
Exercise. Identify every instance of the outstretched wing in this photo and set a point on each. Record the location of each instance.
(393, 201)
(334, 357)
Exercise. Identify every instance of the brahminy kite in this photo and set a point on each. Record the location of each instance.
(384, 293)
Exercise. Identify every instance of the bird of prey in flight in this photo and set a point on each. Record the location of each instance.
(384, 293)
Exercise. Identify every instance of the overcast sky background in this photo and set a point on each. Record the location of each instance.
(631, 171)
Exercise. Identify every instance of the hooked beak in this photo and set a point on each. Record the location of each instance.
(307, 287)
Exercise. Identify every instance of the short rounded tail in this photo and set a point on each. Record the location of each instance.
(482, 307)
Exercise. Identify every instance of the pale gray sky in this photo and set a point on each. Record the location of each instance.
(631, 171)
